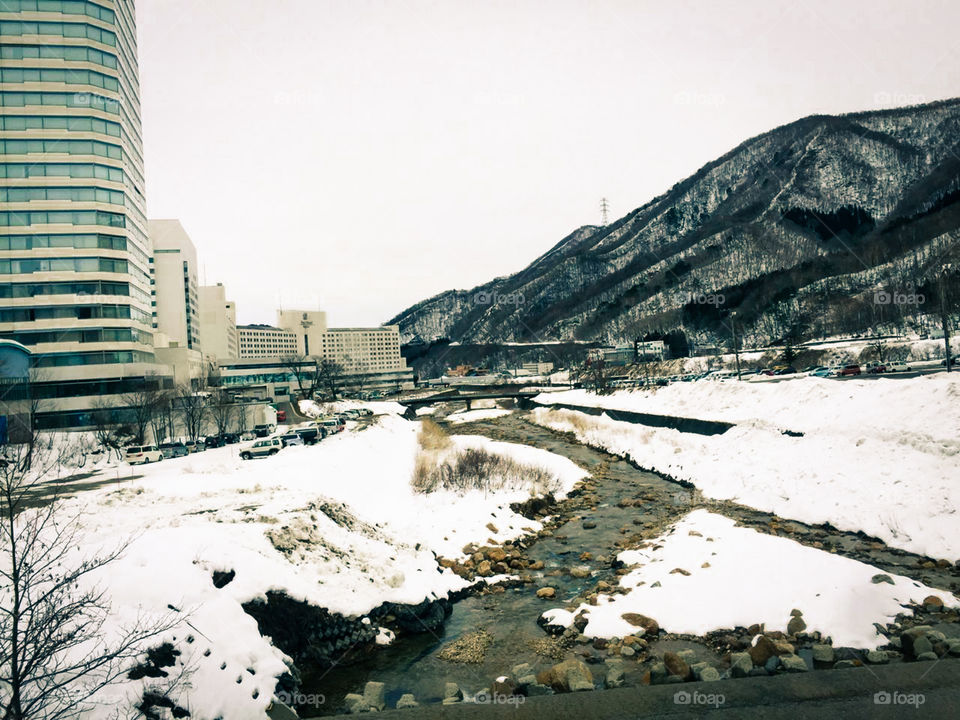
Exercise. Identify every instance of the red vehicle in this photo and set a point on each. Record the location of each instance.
(281, 416)
(849, 370)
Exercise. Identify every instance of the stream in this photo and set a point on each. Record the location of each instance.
(595, 524)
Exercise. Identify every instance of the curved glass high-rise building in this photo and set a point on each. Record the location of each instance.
(74, 250)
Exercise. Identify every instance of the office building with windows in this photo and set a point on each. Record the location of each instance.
(266, 341)
(74, 249)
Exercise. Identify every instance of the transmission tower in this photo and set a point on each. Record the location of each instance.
(604, 208)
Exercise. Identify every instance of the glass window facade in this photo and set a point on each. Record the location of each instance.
(70, 118)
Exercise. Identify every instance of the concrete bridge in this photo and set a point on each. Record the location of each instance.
(523, 398)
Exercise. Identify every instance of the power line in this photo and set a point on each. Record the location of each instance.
(604, 209)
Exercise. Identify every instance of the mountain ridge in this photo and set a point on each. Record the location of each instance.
(800, 201)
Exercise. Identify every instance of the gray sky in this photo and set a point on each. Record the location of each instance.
(360, 156)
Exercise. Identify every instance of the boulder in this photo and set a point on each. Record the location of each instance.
(793, 663)
(881, 578)
(875, 657)
(932, 603)
(658, 673)
(374, 695)
(520, 670)
(485, 568)
(709, 674)
(452, 693)
(276, 710)
(581, 571)
(355, 704)
(407, 700)
(568, 676)
(503, 686)
(627, 651)
(761, 650)
(740, 664)
(676, 665)
(925, 656)
(649, 625)
(615, 676)
(823, 653)
(796, 625)
(915, 641)
(536, 689)
(546, 593)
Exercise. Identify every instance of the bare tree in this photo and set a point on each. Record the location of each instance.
(141, 405)
(329, 376)
(54, 652)
(595, 376)
(300, 367)
(222, 410)
(110, 433)
(193, 407)
(161, 416)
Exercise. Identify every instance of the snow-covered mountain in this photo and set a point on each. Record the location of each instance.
(796, 230)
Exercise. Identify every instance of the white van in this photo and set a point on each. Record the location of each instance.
(140, 454)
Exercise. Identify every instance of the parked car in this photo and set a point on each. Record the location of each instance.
(262, 448)
(821, 372)
(142, 454)
(248, 435)
(874, 368)
(173, 449)
(214, 441)
(897, 366)
(332, 425)
(291, 438)
(195, 447)
(261, 431)
(852, 369)
(310, 435)
(231, 438)
(281, 416)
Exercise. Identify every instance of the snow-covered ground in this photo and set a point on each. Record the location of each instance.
(882, 456)
(336, 524)
(313, 409)
(738, 577)
(467, 416)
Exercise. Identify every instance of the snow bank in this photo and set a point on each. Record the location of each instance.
(336, 524)
(750, 578)
(313, 409)
(467, 416)
(926, 405)
(879, 456)
(905, 493)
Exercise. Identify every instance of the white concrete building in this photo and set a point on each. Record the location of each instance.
(175, 286)
(309, 326)
(364, 350)
(218, 323)
(266, 341)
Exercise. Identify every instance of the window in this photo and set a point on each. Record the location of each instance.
(69, 170)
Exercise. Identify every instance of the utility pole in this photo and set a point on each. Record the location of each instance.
(604, 209)
(736, 349)
(944, 317)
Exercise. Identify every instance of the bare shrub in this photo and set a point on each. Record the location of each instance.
(478, 469)
(432, 437)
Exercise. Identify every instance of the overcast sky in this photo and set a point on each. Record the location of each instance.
(360, 156)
